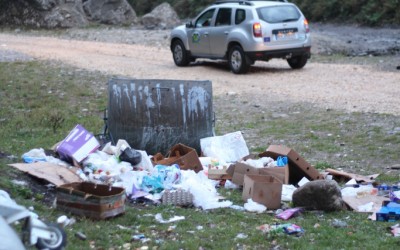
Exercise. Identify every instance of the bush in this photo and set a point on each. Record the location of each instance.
(365, 12)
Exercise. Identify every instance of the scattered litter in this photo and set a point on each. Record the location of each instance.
(289, 213)
(19, 183)
(390, 211)
(351, 182)
(287, 192)
(366, 207)
(123, 227)
(303, 181)
(395, 196)
(203, 190)
(138, 237)
(64, 221)
(171, 228)
(252, 206)
(80, 235)
(163, 177)
(241, 236)
(395, 230)
(339, 223)
(160, 219)
(230, 147)
(291, 229)
(230, 185)
(237, 207)
(178, 197)
(34, 155)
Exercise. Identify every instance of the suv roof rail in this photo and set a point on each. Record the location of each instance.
(245, 2)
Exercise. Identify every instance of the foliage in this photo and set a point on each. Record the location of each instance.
(366, 12)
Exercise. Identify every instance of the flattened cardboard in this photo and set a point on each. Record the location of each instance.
(349, 176)
(355, 202)
(263, 189)
(298, 167)
(53, 173)
(186, 157)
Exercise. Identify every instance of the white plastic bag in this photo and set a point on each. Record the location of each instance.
(229, 147)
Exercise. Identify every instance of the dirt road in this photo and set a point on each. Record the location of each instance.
(338, 86)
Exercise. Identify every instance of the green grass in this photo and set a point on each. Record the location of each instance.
(41, 102)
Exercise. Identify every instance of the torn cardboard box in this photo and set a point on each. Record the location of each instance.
(298, 167)
(186, 157)
(263, 189)
(239, 170)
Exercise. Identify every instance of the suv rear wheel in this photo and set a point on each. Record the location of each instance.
(180, 54)
(237, 60)
(297, 62)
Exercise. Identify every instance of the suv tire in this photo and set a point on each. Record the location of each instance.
(237, 60)
(297, 62)
(180, 54)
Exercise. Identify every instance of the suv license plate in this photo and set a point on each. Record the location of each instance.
(285, 34)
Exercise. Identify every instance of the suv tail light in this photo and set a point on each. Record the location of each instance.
(306, 27)
(257, 32)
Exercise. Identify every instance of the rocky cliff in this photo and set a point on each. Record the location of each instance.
(65, 13)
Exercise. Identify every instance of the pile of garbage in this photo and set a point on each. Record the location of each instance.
(110, 174)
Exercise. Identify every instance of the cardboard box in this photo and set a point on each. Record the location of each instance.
(239, 170)
(186, 157)
(96, 201)
(218, 174)
(77, 145)
(263, 189)
(298, 167)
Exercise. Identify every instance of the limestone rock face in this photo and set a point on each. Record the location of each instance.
(319, 195)
(110, 11)
(161, 17)
(65, 13)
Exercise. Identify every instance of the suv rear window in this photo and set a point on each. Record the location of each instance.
(278, 14)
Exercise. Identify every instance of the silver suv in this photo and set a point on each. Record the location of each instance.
(243, 32)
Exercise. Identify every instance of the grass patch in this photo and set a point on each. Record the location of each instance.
(41, 102)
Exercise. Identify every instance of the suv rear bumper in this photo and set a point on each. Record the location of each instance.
(285, 54)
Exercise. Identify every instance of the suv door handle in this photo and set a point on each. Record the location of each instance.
(205, 33)
(226, 32)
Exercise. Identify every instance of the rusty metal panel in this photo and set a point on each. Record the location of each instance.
(154, 115)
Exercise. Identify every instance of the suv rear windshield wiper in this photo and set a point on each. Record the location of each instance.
(289, 20)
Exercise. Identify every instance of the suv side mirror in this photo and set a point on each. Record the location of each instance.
(189, 24)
